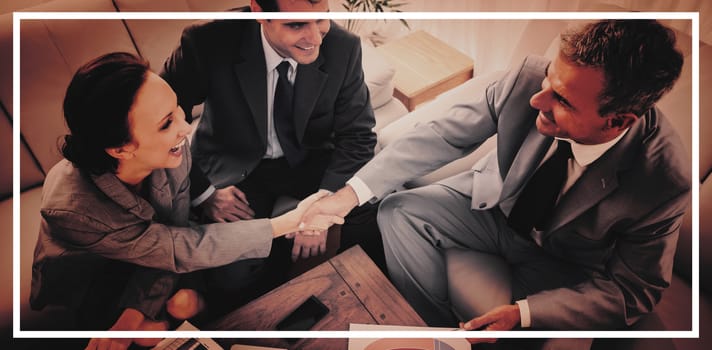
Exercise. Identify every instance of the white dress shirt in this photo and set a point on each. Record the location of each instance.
(272, 60)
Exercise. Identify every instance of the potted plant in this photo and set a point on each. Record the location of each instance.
(354, 25)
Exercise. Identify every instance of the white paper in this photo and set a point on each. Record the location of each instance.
(413, 343)
(252, 347)
(196, 343)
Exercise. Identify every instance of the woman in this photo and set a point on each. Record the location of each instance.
(115, 230)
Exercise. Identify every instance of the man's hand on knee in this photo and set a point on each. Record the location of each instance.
(311, 243)
(226, 205)
(501, 318)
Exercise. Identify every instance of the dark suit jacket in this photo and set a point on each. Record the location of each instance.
(619, 221)
(222, 64)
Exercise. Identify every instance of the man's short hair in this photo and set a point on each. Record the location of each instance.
(638, 57)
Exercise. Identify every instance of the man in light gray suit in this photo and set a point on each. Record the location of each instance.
(599, 255)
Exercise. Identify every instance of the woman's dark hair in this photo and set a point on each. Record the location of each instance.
(96, 108)
(638, 58)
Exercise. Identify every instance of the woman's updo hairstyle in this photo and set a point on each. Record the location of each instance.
(96, 108)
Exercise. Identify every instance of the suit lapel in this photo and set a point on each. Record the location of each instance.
(117, 192)
(160, 195)
(525, 162)
(308, 84)
(250, 71)
(599, 180)
(160, 198)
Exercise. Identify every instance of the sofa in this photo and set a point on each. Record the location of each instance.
(674, 312)
(51, 50)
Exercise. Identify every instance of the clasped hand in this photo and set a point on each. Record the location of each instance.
(307, 223)
(318, 212)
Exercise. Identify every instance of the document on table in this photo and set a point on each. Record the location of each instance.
(411, 343)
(187, 343)
(252, 347)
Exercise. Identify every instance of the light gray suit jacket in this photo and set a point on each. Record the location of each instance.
(87, 219)
(619, 221)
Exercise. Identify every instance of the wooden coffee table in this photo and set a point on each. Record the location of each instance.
(349, 284)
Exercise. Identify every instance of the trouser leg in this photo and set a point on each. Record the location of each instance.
(417, 226)
(361, 228)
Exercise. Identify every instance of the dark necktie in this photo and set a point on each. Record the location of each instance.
(535, 204)
(284, 117)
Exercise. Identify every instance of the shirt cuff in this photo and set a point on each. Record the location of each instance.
(200, 199)
(362, 191)
(526, 317)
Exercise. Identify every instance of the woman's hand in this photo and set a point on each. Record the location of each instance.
(109, 344)
(129, 320)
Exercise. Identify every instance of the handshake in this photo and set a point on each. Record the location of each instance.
(308, 223)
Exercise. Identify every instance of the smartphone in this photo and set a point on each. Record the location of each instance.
(304, 317)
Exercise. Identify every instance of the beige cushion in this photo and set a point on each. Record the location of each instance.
(6, 156)
(705, 238)
(378, 73)
(677, 104)
(393, 110)
(53, 317)
(6, 264)
(49, 318)
(155, 39)
(536, 39)
(705, 109)
(179, 5)
(6, 61)
(30, 174)
(52, 50)
(44, 78)
(435, 109)
(215, 5)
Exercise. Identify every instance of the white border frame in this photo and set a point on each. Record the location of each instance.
(693, 16)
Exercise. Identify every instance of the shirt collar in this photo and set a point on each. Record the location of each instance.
(587, 154)
(272, 58)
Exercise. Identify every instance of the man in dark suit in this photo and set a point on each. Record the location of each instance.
(286, 112)
(596, 251)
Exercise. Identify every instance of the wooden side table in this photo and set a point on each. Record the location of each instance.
(425, 67)
(349, 284)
